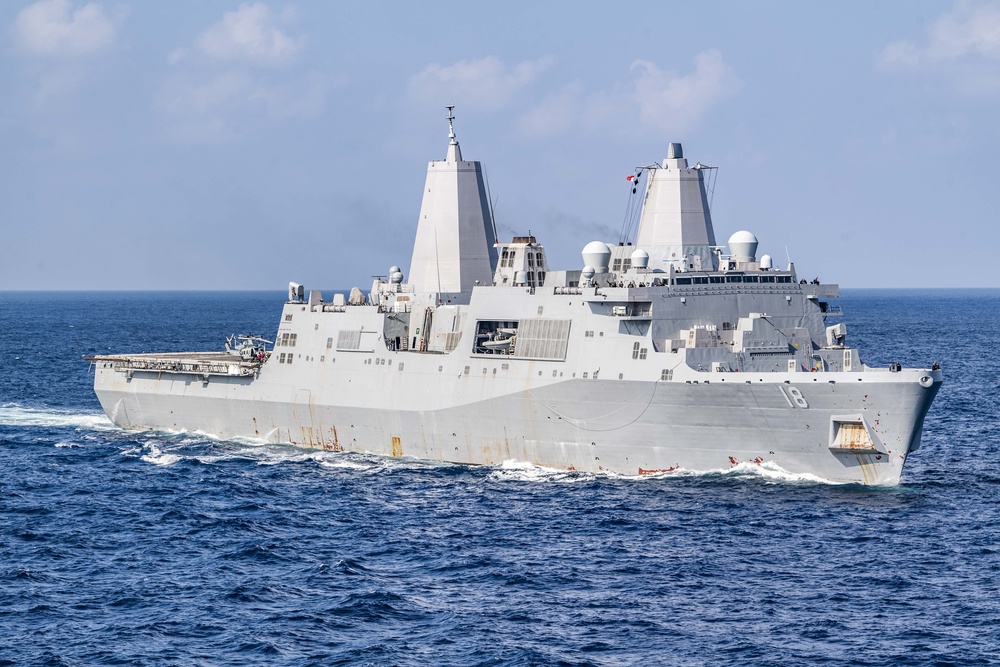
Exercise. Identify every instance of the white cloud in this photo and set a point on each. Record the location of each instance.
(487, 82)
(250, 34)
(970, 31)
(668, 101)
(240, 73)
(647, 97)
(53, 28)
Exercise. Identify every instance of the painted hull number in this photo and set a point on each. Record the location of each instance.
(794, 397)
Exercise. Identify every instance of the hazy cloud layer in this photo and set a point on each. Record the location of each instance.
(486, 83)
(962, 45)
(240, 73)
(667, 100)
(653, 98)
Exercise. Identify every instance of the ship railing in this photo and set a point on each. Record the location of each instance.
(746, 288)
(821, 290)
(237, 367)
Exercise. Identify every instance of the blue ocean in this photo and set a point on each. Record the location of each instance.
(121, 548)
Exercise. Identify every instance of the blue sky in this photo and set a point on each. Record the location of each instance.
(218, 145)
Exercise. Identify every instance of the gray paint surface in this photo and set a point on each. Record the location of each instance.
(686, 364)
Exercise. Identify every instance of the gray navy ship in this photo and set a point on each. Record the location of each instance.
(670, 353)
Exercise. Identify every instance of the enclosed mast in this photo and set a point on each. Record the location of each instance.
(455, 245)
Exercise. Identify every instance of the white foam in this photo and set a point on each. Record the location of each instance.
(513, 470)
(767, 470)
(350, 463)
(12, 414)
(522, 471)
(271, 455)
(264, 453)
(772, 471)
(156, 456)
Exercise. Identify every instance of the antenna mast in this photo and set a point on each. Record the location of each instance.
(451, 126)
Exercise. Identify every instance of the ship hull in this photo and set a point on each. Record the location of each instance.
(672, 356)
(627, 427)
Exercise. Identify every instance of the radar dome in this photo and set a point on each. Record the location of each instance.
(396, 276)
(640, 259)
(597, 255)
(394, 269)
(588, 273)
(765, 262)
(743, 246)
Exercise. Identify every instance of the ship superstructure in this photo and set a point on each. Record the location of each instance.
(674, 353)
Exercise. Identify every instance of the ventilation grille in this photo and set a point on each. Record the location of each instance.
(542, 339)
(349, 340)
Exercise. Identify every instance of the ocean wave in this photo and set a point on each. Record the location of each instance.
(513, 470)
(170, 447)
(156, 456)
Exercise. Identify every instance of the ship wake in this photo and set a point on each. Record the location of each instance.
(767, 470)
(14, 414)
(521, 471)
(167, 449)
